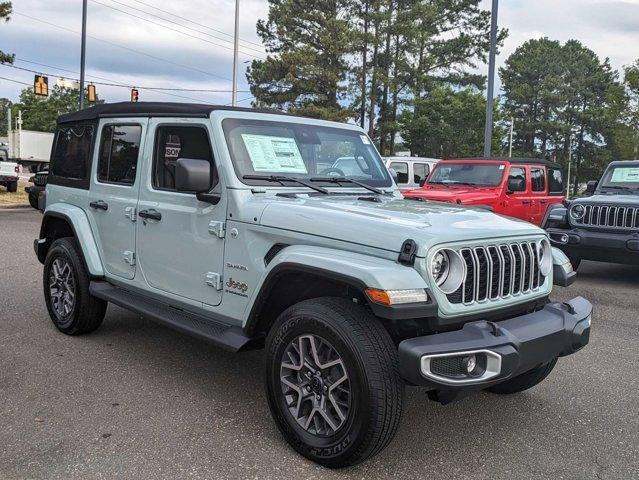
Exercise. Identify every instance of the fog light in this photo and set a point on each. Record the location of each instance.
(563, 238)
(470, 363)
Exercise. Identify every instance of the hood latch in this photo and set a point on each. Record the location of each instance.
(408, 253)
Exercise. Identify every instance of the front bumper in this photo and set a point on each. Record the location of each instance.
(514, 346)
(602, 246)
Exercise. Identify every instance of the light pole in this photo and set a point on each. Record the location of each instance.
(510, 140)
(236, 41)
(488, 131)
(83, 49)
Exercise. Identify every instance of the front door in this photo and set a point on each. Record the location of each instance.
(182, 248)
(113, 196)
(517, 203)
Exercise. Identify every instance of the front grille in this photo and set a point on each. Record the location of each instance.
(40, 179)
(609, 216)
(498, 271)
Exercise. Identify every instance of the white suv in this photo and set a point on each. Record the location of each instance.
(411, 171)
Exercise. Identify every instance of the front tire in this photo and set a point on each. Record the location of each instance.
(525, 380)
(72, 308)
(332, 381)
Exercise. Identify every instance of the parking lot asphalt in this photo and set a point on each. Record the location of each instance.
(137, 400)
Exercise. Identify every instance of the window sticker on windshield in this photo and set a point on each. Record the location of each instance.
(625, 175)
(501, 167)
(274, 154)
(365, 140)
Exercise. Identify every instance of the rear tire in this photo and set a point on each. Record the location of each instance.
(525, 380)
(364, 412)
(12, 187)
(73, 310)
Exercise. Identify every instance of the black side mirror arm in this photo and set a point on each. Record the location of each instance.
(212, 198)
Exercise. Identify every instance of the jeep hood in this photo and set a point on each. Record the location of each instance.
(452, 194)
(614, 199)
(388, 223)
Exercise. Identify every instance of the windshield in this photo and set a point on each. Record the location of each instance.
(483, 174)
(302, 151)
(621, 178)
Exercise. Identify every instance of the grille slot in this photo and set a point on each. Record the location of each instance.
(609, 216)
(498, 271)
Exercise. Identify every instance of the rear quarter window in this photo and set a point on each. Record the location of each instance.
(71, 155)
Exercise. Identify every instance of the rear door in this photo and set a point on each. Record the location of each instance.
(420, 172)
(517, 203)
(113, 193)
(538, 193)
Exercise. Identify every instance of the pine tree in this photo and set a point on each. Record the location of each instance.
(308, 44)
(5, 14)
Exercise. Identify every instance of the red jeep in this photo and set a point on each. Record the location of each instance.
(517, 187)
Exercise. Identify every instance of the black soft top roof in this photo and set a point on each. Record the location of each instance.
(151, 109)
(516, 160)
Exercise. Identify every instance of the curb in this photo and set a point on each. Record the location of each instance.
(14, 206)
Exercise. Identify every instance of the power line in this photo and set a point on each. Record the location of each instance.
(123, 47)
(16, 81)
(118, 84)
(170, 28)
(193, 22)
(259, 49)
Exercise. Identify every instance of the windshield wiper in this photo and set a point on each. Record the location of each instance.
(437, 183)
(340, 180)
(617, 187)
(281, 179)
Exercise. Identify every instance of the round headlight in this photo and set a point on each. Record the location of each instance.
(545, 257)
(448, 270)
(440, 266)
(577, 211)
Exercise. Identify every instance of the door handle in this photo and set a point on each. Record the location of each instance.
(99, 205)
(150, 214)
(525, 202)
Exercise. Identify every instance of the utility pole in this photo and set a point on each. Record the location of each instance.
(236, 41)
(512, 126)
(488, 131)
(83, 52)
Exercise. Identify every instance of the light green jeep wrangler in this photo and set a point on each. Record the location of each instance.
(236, 226)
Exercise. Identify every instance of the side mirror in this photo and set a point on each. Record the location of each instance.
(393, 174)
(422, 182)
(591, 187)
(194, 176)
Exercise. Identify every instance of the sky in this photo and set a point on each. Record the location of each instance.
(123, 48)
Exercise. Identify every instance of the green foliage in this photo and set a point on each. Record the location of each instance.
(5, 14)
(448, 123)
(40, 113)
(564, 101)
(5, 105)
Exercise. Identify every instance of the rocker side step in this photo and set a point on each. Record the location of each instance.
(228, 337)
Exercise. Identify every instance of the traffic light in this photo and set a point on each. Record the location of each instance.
(134, 94)
(91, 93)
(41, 85)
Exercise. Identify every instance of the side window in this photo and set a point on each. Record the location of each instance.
(538, 179)
(175, 142)
(517, 179)
(555, 181)
(72, 152)
(401, 168)
(420, 171)
(119, 150)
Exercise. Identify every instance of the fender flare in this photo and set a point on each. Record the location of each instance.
(77, 219)
(353, 269)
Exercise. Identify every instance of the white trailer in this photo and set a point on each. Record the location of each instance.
(30, 149)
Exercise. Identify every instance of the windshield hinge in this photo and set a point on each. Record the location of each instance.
(216, 228)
